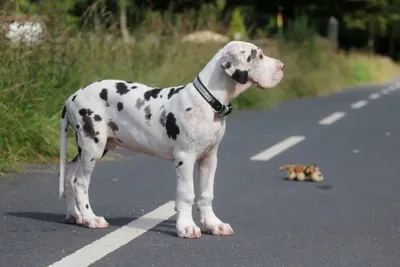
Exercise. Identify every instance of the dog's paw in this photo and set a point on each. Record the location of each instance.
(216, 227)
(95, 223)
(188, 230)
(73, 219)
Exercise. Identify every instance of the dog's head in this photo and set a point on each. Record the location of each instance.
(246, 64)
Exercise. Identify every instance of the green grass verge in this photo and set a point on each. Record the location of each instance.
(36, 82)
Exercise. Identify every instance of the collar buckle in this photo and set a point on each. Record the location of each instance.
(215, 104)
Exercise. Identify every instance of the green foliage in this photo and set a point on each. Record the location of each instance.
(237, 27)
(359, 71)
(300, 31)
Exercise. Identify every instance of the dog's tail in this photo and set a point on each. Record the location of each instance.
(63, 148)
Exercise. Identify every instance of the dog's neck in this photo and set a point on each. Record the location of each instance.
(218, 82)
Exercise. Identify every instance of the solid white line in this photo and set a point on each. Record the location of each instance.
(332, 118)
(112, 241)
(359, 104)
(374, 96)
(278, 148)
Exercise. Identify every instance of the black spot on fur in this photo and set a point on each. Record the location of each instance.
(96, 140)
(171, 127)
(227, 65)
(180, 163)
(79, 151)
(120, 106)
(188, 109)
(260, 56)
(139, 103)
(122, 88)
(64, 111)
(104, 94)
(97, 117)
(66, 129)
(91, 159)
(129, 82)
(75, 159)
(153, 93)
(134, 87)
(97, 132)
(241, 76)
(113, 126)
(73, 98)
(174, 91)
(75, 180)
(87, 206)
(163, 118)
(88, 127)
(77, 126)
(104, 152)
(147, 112)
(248, 58)
(253, 53)
(85, 112)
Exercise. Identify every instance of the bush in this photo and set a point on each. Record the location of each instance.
(237, 27)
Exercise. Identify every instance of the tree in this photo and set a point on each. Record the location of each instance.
(237, 29)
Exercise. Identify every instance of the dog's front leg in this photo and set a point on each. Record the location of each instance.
(207, 167)
(185, 225)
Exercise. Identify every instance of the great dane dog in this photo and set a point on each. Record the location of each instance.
(183, 124)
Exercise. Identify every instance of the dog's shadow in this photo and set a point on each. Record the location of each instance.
(166, 227)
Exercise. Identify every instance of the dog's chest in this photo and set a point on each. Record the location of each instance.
(204, 135)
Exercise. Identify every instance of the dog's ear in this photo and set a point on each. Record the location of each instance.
(234, 64)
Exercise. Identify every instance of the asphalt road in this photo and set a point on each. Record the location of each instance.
(351, 219)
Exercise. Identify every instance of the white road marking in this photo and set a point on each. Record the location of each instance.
(278, 148)
(335, 116)
(374, 96)
(112, 241)
(359, 104)
(386, 91)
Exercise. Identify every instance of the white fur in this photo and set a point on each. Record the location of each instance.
(200, 132)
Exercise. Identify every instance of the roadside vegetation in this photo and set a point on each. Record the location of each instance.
(36, 80)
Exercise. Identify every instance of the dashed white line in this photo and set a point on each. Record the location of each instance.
(374, 96)
(359, 104)
(386, 91)
(278, 148)
(112, 241)
(332, 118)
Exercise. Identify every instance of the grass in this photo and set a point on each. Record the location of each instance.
(37, 80)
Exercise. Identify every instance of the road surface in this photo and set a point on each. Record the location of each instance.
(351, 219)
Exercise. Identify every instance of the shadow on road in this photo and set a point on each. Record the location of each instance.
(166, 227)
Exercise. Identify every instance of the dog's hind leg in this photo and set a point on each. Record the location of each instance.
(91, 150)
(73, 213)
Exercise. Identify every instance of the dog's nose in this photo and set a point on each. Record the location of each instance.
(280, 65)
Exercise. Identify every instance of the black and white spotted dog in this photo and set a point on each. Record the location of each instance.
(184, 124)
